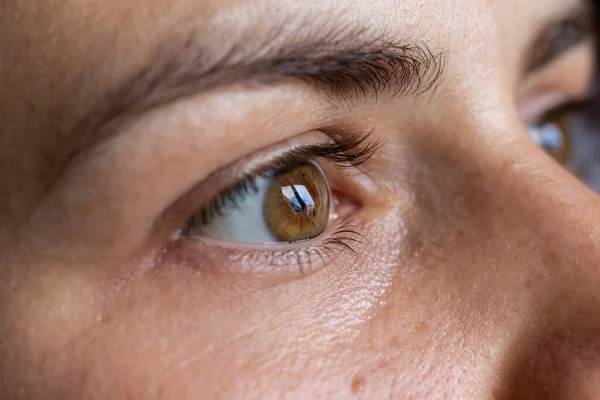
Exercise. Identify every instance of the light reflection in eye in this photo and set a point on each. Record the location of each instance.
(299, 198)
(297, 204)
(571, 135)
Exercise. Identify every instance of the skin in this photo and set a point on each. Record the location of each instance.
(478, 276)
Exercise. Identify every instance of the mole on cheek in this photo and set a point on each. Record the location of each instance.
(358, 382)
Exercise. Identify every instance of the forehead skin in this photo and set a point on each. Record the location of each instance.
(497, 296)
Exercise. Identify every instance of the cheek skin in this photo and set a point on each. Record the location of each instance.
(160, 335)
(42, 320)
(170, 346)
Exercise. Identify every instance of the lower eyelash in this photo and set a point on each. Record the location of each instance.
(298, 262)
(343, 239)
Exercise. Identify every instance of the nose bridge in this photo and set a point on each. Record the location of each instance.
(550, 202)
(488, 199)
(544, 234)
(555, 221)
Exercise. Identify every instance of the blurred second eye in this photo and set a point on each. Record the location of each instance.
(553, 135)
(570, 135)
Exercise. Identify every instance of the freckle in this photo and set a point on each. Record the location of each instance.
(549, 258)
(528, 284)
(420, 327)
(395, 342)
(358, 382)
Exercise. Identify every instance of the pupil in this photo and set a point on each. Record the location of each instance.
(299, 199)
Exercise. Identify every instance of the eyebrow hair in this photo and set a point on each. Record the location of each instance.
(559, 36)
(345, 64)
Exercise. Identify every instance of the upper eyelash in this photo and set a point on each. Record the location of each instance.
(345, 152)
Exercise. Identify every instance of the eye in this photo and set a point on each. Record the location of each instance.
(571, 135)
(289, 204)
(299, 193)
(553, 133)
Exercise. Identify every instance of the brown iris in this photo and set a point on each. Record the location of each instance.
(296, 205)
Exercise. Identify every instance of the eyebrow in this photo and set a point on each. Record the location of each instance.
(346, 64)
(559, 36)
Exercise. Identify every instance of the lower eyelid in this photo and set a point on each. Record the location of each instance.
(295, 260)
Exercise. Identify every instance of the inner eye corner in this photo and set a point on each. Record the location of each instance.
(343, 205)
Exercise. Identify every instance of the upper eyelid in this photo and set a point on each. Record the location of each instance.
(344, 152)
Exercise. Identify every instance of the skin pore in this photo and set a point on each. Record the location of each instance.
(459, 260)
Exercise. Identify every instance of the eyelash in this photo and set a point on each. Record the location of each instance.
(344, 154)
